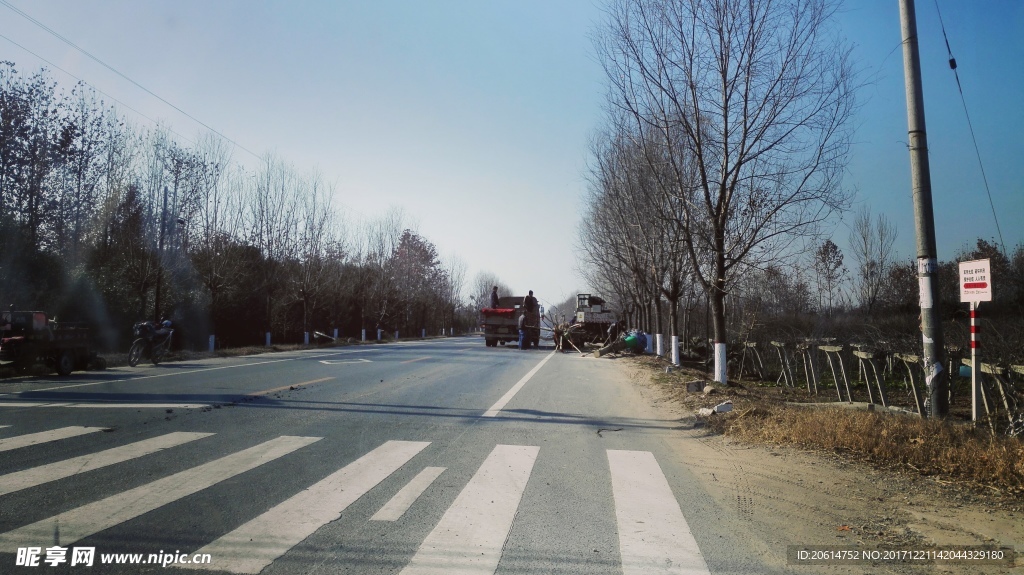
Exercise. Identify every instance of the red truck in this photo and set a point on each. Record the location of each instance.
(28, 338)
(501, 324)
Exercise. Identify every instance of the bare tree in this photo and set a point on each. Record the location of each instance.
(629, 233)
(380, 237)
(218, 226)
(81, 150)
(830, 274)
(871, 241)
(482, 285)
(317, 244)
(754, 97)
(451, 296)
(273, 212)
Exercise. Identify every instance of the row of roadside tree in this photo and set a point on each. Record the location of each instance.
(111, 223)
(715, 184)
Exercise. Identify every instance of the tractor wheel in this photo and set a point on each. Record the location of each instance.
(65, 363)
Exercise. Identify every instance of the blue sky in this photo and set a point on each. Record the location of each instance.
(476, 116)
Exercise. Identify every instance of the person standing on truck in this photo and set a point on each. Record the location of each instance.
(494, 297)
(522, 329)
(530, 302)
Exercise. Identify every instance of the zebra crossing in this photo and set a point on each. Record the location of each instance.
(469, 537)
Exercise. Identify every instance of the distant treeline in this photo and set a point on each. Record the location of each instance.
(109, 223)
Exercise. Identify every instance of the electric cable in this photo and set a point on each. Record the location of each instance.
(952, 66)
(84, 83)
(114, 70)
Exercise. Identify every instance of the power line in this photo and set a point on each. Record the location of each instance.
(114, 70)
(952, 66)
(84, 83)
(112, 98)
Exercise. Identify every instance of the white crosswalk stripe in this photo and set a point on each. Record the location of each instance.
(404, 499)
(20, 441)
(45, 473)
(95, 517)
(469, 538)
(259, 542)
(653, 535)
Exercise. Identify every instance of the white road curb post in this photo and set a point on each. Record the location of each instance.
(721, 374)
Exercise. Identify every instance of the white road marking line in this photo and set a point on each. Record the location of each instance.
(403, 500)
(24, 403)
(222, 367)
(497, 407)
(471, 535)
(45, 473)
(654, 537)
(76, 524)
(20, 441)
(344, 361)
(171, 374)
(140, 405)
(256, 544)
(102, 405)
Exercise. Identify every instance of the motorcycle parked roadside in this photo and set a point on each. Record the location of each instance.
(152, 341)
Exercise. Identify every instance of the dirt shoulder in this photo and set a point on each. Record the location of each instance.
(785, 495)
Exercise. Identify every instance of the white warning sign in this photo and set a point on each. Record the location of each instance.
(975, 281)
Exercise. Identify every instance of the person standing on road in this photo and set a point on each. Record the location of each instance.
(522, 329)
(494, 297)
(530, 308)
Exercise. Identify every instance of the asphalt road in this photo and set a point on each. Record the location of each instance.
(439, 456)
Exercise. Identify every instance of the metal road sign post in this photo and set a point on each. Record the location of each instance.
(975, 287)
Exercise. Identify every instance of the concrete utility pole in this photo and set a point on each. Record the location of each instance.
(924, 220)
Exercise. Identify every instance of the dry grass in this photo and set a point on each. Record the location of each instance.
(949, 450)
(928, 447)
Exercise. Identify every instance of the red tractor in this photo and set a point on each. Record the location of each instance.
(28, 338)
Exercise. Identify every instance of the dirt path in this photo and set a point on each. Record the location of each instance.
(785, 496)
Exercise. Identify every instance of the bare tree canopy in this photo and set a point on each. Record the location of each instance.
(743, 109)
(107, 223)
(872, 244)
